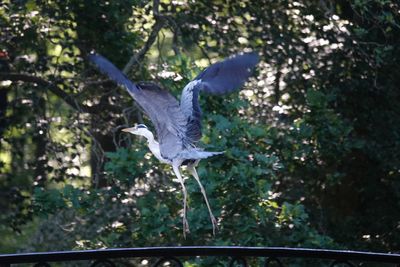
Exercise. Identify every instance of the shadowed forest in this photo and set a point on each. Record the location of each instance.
(312, 141)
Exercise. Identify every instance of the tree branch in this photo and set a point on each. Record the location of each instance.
(70, 100)
(157, 26)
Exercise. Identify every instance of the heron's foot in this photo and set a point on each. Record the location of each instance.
(214, 224)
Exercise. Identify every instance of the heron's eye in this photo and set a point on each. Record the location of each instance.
(141, 126)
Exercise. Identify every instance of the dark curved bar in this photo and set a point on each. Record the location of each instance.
(266, 252)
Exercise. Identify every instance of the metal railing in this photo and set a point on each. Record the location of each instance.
(237, 256)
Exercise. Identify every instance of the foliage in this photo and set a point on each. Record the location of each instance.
(311, 144)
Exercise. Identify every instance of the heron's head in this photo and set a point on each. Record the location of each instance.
(138, 129)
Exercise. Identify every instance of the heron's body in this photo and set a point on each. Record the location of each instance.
(178, 124)
(154, 147)
(188, 156)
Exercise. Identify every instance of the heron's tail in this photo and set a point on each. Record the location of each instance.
(198, 154)
(207, 154)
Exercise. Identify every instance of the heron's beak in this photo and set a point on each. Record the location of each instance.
(128, 130)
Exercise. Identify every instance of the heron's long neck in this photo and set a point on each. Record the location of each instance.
(154, 146)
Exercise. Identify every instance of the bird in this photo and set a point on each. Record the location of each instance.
(178, 123)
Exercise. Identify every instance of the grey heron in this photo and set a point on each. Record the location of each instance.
(178, 124)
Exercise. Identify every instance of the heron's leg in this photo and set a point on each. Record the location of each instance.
(193, 171)
(175, 167)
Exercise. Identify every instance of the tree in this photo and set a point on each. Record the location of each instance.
(312, 154)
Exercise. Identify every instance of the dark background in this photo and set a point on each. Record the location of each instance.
(312, 142)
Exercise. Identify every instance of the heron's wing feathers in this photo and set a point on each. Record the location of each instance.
(191, 109)
(162, 108)
(166, 115)
(219, 78)
(228, 75)
(106, 67)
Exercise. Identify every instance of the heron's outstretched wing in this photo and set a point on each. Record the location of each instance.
(166, 115)
(220, 78)
(162, 108)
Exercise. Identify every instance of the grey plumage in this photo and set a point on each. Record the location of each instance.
(165, 113)
(178, 124)
(220, 78)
